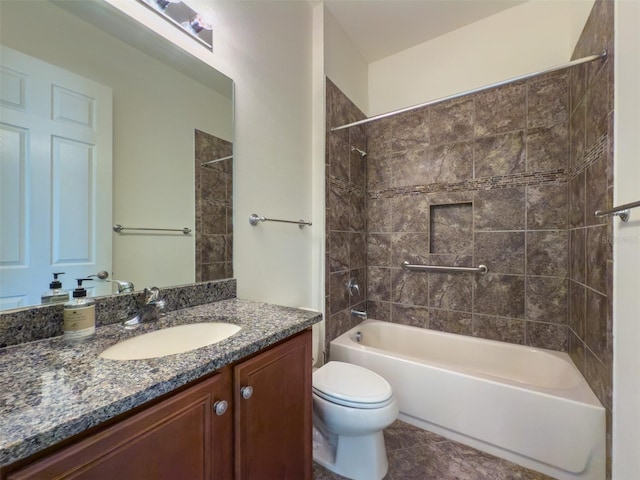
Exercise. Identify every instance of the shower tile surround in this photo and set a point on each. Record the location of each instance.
(509, 177)
(214, 212)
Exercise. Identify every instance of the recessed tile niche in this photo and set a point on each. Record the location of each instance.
(451, 228)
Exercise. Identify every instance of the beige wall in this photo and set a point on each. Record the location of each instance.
(626, 248)
(531, 36)
(343, 63)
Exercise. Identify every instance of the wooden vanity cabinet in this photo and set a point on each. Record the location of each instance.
(272, 394)
(179, 438)
(264, 436)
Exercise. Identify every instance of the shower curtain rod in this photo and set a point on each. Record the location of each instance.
(572, 63)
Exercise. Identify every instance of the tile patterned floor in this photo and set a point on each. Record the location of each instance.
(415, 454)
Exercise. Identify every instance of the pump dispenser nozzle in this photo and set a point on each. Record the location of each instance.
(79, 291)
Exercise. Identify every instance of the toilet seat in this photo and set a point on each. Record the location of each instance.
(351, 386)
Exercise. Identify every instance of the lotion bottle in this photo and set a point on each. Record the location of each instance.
(55, 294)
(79, 315)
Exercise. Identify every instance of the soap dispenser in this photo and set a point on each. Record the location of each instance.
(55, 294)
(79, 315)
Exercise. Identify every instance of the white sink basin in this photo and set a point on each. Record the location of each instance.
(169, 341)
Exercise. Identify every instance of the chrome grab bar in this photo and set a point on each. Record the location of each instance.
(254, 219)
(481, 269)
(622, 211)
(119, 228)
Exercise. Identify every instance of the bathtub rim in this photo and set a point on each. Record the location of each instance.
(579, 393)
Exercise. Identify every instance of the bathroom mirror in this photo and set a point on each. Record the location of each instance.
(171, 113)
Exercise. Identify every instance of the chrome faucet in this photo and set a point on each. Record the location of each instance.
(150, 311)
(123, 287)
(359, 313)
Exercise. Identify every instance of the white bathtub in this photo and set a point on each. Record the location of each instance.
(528, 405)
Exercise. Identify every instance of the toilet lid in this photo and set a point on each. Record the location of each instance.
(351, 385)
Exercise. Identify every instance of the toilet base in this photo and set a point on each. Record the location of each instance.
(361, 457)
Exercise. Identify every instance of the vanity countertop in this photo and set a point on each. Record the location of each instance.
(51, 390)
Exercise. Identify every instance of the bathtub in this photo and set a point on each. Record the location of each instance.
(528, 405)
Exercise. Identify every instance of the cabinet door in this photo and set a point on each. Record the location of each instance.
(273, 425)
(181, 437)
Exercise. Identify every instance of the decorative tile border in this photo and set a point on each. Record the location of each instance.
(595, 151)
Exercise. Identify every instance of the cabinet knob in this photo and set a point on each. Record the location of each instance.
(246, 392)
(220, 407)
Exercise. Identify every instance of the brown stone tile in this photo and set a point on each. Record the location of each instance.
(409, 288)
(577, 255)
(577, 308)
(452, 121)
(379, 310)
(357, 212)
(357, 250)
(501, 252)
(410, 213)
(451, 291)
(577, 85)
(400, 435)
(596, 197)
(213, 187)
(451, 228)
(214, 219)
(499, 295)
(360, 278)
(338, 209)
(502, 154)
(499, 209)
(547, 335)
(213, 248)
(577, 201)
(596, 331)
(378, 171)
(548, 101)
(548, 148)
(379, 136)
(547, 299)
(547, 253)
(499, 328)
(599, 250)
(547, 206)
(410, 130)
(450, 163)
(358, 170)
(338, 251)
(337, 325)
(577, 136)
(412, 167)
(339, 157)
(450, 321)
(599, 377)
(358, 136)
(598, 105)
(500, 110)
(379, 250)
(410, 315)
(379, 284)
(213, 271)
(338, 294)
(577, 351)
(410, 247)
(379, 215)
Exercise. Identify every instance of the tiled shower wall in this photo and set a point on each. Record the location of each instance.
(509, 178)
(345, 172)
(214, 211)
(478, 180)
(591, 189)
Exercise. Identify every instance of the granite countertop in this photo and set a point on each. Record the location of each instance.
(51, 390)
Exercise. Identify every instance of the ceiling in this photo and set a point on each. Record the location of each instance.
(379, 28)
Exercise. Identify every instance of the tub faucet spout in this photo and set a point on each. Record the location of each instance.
(359, 313)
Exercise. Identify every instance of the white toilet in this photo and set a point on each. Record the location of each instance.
(351, 407)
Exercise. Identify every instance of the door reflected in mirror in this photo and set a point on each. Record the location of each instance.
(171, 113)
